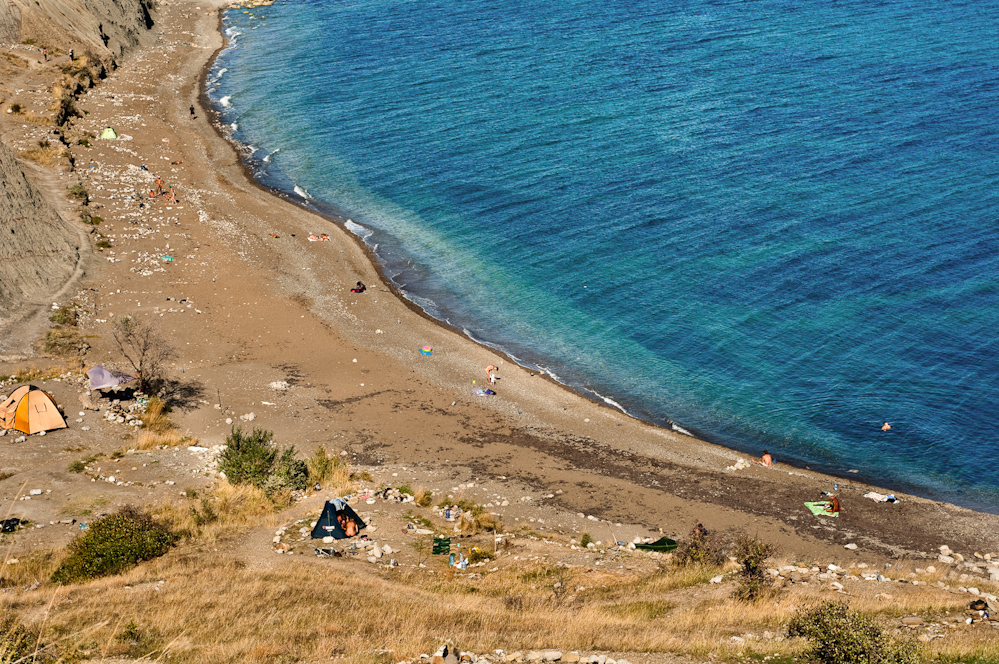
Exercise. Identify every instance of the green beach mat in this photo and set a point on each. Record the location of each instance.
(663, 545)
(819, 509)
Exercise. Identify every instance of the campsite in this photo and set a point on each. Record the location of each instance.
(533, 522)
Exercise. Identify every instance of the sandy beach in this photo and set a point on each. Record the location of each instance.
(248, 301)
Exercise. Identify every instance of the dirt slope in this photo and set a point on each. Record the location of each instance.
(39, 251)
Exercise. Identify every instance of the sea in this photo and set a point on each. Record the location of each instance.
(771, 224)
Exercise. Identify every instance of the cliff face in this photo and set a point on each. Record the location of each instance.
(106, 27)
(38, 250)
(10, 22)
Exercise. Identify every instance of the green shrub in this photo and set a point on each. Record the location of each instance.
(322, 465)
(585, 540)
(79, 192)
(114, 544)
(841, 636)
(292, 473)
(754, 583)
(248, 458)
(77, 466)
(64, 315)
(254, 459)
(699, 548)
(17, 642)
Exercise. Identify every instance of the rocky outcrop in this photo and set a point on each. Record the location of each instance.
(39, 251)
(106, 27)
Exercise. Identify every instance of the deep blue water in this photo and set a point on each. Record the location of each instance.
(770, 223)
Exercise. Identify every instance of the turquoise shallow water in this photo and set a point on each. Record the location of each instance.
(772, 224)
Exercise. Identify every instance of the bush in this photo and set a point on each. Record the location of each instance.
(114, 544)
(254, 459)
(17, 642)
(292, 473)
(423, 497)
(322, 465)
(841, 636)
(586, 540)
(249, 458)
(699, 549)
(754, 583)
(64, 315)
(79, 192)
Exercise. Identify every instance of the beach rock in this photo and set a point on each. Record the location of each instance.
(571, 657)
(912, 621)
(931, 570)
(328, 540)
(551, 656)
(249, 417)
(835, 585)
(945, 550)
(279, 385)
(514, 656)
(717, 579)
(35, 492)
(947, 560)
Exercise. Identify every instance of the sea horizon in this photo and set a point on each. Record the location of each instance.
(790, 310)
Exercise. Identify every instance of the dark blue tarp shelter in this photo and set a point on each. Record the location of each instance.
(329, 526)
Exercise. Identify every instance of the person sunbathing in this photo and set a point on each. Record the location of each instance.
(833, 505)
(766, 459)
(359, 288)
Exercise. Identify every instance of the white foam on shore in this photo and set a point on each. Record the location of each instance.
(267, 159)
(303, 193)
(610, 402)
(219, 73)
(679, 429)
(358, 230)
(226, 101)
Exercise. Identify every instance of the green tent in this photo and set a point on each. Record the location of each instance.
(662, 545)
(109, 134)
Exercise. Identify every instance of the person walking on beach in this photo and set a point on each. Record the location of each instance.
(192, 112)
(45, 54)
(159, 186)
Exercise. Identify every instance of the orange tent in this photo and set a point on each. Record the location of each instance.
(30, 410)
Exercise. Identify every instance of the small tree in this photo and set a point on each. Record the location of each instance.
(248, 458)
(841, 636)
(752, 554)
(144, 348)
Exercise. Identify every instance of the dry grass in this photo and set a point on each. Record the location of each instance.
(28, 374)
(158, 429)
(224, 509)
(309, 610)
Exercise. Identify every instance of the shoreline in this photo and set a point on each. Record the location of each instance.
(272, 307)
(339, 217)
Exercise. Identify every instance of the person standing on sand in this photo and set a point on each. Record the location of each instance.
(192, 112)
(159, 185)
(45, 54)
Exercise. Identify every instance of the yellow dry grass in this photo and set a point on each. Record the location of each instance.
(305, 610)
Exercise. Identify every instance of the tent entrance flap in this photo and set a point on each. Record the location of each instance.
(336, 514)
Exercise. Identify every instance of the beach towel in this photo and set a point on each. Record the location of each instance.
(880, 497)
(819, 509)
